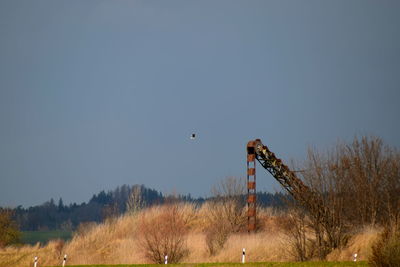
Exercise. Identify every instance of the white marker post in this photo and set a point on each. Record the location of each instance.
(65, 260)
(35, 262)
(166, 259)
(243, 255)
(355, 257)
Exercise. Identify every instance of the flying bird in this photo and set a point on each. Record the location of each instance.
(193, 136)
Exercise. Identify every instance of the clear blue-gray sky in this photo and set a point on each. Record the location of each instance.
(96, 94)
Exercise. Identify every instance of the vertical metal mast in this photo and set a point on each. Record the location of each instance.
(251, 187)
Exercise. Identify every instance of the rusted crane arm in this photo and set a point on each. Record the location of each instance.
(288, 179)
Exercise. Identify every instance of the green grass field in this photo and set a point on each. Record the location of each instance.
(32, 237)
(258, 264)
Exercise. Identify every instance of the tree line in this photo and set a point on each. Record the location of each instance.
(59, 216)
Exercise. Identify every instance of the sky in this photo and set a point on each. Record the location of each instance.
(97, 94)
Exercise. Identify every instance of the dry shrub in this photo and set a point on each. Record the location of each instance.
(225, 213)
(9, 233)
(84, 228)
(301, 239)
(59, 247)
(260, 247)
(106, 243)
(360, 243)
(189, 215)
(386, 250)
(164, 234)
(222, 218)
(229, 203)
(216, 237)
(269, 220)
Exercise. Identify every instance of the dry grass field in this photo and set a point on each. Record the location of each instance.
(116, 241)
(255, 264)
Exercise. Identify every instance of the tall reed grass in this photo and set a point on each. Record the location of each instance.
(116, 241)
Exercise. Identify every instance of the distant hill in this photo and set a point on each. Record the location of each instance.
(58, 216)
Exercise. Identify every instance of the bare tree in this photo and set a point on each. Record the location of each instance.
(359, 184)
(391, 189)
(229, 202)
(302, 240)
(110, 212)
(372, 173)
(226, 212)
(135, 200)
(325, 179)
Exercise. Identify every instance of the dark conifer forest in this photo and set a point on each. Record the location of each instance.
(56, 215)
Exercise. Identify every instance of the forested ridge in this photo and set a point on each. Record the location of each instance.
(55, 215)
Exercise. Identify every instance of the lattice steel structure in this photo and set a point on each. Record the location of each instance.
(310, 200)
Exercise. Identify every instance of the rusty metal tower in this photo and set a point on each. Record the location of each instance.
(251, 187)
